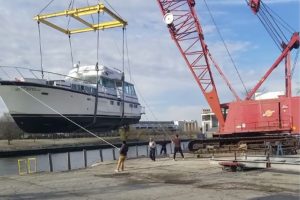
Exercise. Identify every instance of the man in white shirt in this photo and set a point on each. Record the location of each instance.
(152, 148)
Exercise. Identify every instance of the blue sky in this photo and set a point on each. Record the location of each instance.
(158, 70)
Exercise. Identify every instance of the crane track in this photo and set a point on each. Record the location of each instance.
(195, 145)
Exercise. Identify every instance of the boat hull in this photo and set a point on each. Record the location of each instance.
(32, 123)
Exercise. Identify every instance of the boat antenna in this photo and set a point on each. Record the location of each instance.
(97, 76)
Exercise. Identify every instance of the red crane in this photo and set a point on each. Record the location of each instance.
(242, 117)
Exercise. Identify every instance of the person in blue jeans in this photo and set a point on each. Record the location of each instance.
(152, 149)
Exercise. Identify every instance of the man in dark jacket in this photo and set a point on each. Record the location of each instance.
(177, 147)
(122, 157)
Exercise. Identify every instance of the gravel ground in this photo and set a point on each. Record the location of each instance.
(164, 179)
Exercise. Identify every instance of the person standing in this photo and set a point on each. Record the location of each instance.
(177, 147)
(123, 153)
(152, 148)
(163, 147)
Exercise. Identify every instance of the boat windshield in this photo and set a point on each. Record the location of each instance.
(128, 88)
(108, 83)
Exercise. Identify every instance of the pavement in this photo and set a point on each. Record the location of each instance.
(165, 179)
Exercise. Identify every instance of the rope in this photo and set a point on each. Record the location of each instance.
(41, 54)
(50, 108)
(46, 105)
(225, 45)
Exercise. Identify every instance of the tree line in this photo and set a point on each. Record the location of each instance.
(9, 129)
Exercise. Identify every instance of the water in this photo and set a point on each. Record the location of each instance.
(9, 166)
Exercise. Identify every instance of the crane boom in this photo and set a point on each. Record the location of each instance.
(294, 43)
(185, 29)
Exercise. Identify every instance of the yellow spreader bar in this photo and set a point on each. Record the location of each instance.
(77, 13)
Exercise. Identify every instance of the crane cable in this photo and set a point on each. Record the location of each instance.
(47, 5)
(123, 76)
(127, 54)
(71, 6)
(271, 28)
(274, 24)
(295, 63)
(112, 8)
(51, 108)
(138, 91)
(225, 45)
(87, 2)
(40, 39)
(270, 23)
(132, 80)
(41, 53)
(97, 76)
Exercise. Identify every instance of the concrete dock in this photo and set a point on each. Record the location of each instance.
(191, 178)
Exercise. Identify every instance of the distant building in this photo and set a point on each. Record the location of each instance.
(209, 122)
(268, 95)
(158, 126)
(155, 126)
(187, 125)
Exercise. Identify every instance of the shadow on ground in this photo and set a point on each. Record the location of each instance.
(277, 197)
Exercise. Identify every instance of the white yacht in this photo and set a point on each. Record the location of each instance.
(38, 105)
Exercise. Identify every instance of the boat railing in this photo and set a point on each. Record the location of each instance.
(11, 73)
(23, 74)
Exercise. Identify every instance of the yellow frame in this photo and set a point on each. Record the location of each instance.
(29, 161)
(77, 13)
(20, 161)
